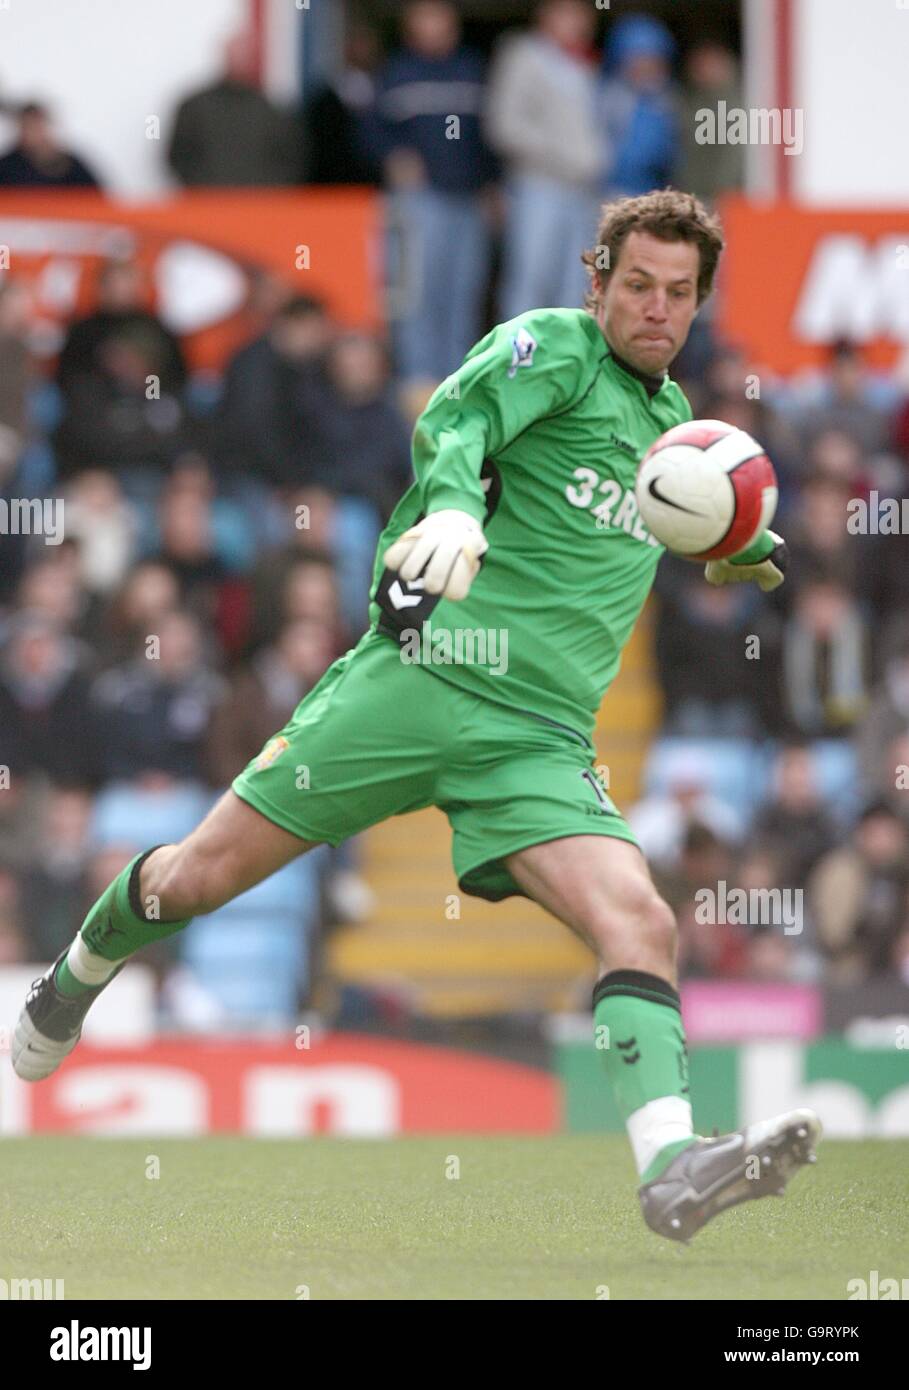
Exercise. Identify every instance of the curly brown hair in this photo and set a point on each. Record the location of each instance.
(667, 214)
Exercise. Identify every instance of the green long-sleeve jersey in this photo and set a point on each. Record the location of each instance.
(537, 435)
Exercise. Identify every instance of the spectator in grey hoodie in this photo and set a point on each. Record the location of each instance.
(541, 119)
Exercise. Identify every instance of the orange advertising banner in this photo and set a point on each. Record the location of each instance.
(203, 251)
(794, 280)
(342, 1084)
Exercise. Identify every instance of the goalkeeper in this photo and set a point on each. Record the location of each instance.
(506, 585)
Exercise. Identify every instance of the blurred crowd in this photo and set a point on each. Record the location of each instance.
(783, 760)
(536, 134)
(215, 557)
(219, 535)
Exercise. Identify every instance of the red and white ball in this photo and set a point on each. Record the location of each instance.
(706, 490)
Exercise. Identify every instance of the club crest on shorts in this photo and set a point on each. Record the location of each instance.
(522, 349)
(272, 750)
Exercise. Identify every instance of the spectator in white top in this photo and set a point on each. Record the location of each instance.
(541, 120)
(661, 821)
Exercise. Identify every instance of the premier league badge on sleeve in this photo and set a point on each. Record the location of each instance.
(522, 346)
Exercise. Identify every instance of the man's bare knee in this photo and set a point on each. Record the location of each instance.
(637, 928)
(186, 881)
(659, 925)
(229, 852)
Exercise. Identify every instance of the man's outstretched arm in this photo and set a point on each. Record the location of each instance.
(517, 374)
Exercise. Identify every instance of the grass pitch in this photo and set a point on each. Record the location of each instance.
(528, 1218)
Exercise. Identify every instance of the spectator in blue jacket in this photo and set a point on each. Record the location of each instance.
(638, 108)
(435, 167)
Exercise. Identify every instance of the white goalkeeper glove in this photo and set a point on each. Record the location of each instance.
(768, 570)
(448, 544)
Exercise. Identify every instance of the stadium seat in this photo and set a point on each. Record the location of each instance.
(45, 407)
(839, 781)
(731, 769)
(203, 394)
(37, 469)
(252, 955)
(124, 814)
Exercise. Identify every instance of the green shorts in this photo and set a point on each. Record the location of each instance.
(378, 737)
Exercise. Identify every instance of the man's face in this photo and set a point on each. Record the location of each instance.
(646, 72)
(650, 300)
(431, 27)
(36, 134)
(882, 839)
(121, 287)
(301, 337)
(568, 22)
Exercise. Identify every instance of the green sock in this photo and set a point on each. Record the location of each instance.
(118, 925)
(640, 1036)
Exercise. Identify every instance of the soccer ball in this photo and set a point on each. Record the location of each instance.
(706, 490)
